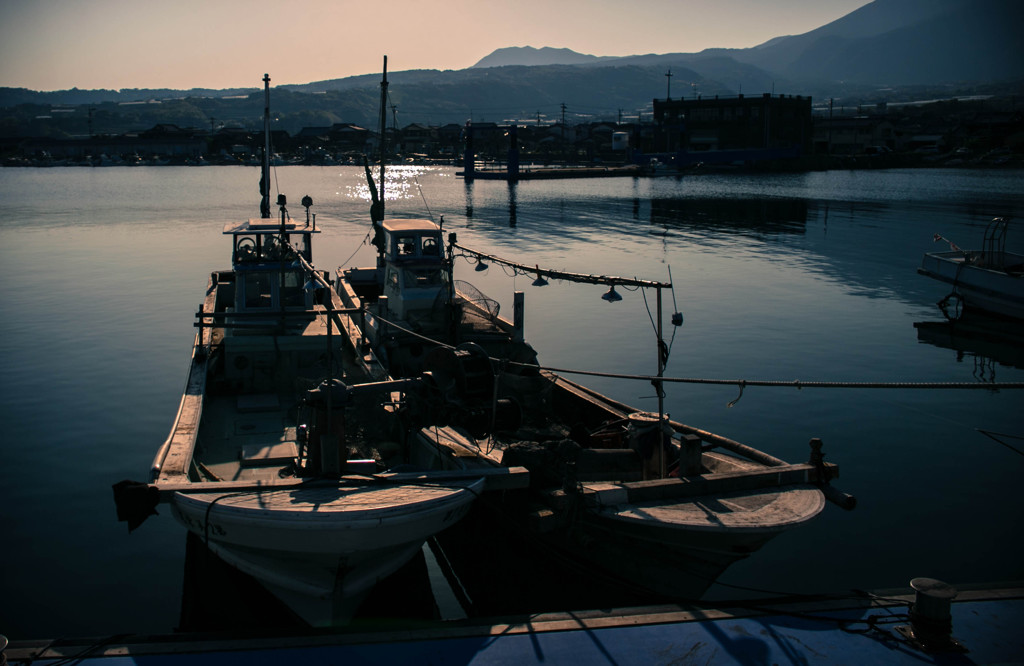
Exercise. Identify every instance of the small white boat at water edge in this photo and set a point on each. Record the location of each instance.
(990, 279)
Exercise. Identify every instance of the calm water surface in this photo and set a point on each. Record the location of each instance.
(785, 277)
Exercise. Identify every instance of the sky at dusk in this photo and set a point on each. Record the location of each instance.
(90, 44)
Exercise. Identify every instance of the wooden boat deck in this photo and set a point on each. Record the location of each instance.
(250, 435)
(351, 497)
(246, 437)
(779, 508)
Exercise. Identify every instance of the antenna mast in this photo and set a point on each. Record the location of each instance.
(265, 175)
(383, 130)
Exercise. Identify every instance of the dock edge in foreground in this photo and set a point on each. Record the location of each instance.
(984, 629)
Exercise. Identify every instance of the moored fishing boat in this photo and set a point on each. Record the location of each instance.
(279, 452)
(990, 279)
(600, 499)
(647, 503)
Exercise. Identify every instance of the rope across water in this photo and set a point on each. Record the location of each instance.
(799, 384)
(742, 383)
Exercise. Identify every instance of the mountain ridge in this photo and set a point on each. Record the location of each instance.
(884, 51)
(531, 56)
(980, 33)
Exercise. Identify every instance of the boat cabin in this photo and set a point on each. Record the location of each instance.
(411, 240)
(268, 275)
(415, 275)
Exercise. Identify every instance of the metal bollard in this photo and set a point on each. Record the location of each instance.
(931, 621)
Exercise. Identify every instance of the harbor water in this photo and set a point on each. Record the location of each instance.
(787, 277)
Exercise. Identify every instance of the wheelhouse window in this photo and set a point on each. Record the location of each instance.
(301, 242)
(258, 290)
(292, 293)
(245, 249)
(407, 245)
(273, 249)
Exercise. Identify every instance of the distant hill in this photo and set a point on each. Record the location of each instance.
(904, 42)
(888, 50)
(530, 57)
(886, 42)
(13, 96)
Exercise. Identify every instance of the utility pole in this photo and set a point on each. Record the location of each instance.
(829, 125)
(668, 85)
(564, 151)
(394, 126)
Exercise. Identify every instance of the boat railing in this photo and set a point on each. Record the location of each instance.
(203, 316)
(993, 245)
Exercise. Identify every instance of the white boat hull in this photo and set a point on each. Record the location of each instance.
(673, 547)
(678, 549)
(995, 291)
(321, 550)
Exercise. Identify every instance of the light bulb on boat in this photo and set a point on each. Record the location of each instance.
(611, 295)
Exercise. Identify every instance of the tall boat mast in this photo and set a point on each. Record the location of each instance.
(377, 196)
(265, 175)
(383, 131)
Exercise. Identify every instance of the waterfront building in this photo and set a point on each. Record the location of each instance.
(741, 123)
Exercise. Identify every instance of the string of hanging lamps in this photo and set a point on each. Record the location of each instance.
(612, 295)
(540, 281)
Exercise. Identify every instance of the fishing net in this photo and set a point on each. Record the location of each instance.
(471, 294)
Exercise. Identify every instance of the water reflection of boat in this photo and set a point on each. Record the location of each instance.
(987, 339)
(647, 502)
(272, 461)
(990, 279)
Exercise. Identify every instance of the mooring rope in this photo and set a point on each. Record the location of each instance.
(797, 383)
(742, 383)
(996, 435)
